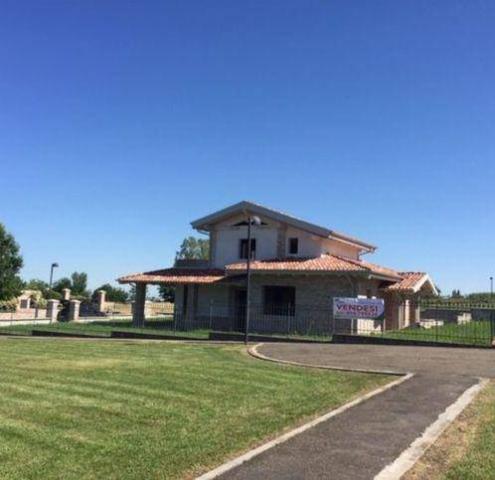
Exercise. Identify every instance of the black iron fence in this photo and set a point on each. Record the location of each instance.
(430, 321)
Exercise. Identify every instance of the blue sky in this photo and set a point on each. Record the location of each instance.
(120, 122)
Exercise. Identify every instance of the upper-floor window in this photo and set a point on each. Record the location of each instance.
(293, 246)
(243, 248)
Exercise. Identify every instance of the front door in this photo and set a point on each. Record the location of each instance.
(239, 320)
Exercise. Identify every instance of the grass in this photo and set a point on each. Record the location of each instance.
(157, 326)
(472, 333)
(465, 450)
(132, 410)
(105, 328)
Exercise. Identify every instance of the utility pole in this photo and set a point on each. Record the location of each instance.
(256, 221)
(54, 265)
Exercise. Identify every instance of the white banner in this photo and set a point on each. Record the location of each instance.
(358, 307)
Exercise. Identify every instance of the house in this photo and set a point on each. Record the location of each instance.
(297, 268)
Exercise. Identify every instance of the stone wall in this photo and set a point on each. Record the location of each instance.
(27, 313)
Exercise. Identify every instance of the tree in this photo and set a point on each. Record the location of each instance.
(114, 294)
(79, 281)
(36, 284)
(62, 283)
(193, 248)
(167, 293)
(10, 265)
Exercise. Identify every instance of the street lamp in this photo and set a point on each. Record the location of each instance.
(491, 288)
(54, 265)
(251, 221)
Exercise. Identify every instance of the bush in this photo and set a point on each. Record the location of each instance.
(8, 305)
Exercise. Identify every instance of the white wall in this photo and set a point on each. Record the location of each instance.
(338, 248)
(227, 240)
(309, 245)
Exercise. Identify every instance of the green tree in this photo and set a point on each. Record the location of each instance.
(114, 294)
(167, 293)
(62, 283)
(10, 265)
(36, 284)
(193, 248)
(79, 282)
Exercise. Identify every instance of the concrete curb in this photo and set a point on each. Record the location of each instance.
(406, 460)
(215, 473)
(253, 351)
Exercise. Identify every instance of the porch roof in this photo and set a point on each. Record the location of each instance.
(413, 282)
(325, 263)
(176, 276)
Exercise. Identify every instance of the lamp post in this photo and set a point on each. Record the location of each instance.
(251, 221)
(54, 265)
(491, 288)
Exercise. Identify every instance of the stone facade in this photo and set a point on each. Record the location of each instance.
(216, 306)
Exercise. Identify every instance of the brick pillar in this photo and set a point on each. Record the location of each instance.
(101, 300)
(74, 306)
(148, 309)
(138, 314)
(66, 294)
(52, 310)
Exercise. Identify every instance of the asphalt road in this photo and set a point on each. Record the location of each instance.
(360, 442)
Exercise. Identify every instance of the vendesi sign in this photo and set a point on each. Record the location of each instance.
(358, 307)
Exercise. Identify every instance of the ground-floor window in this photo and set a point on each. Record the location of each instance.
(279, 300)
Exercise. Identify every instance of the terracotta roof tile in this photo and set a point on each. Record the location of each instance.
(175, 276)
(408, 283)
(325, 263)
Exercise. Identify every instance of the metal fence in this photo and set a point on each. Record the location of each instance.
(451, 322)
(423, 321)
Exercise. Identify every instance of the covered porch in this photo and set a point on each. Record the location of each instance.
(196, 291)
(402, 300)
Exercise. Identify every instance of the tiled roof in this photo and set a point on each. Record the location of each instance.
(405, 282)
(245, 207)
(176, 276)
(409, 282)
(325, 263)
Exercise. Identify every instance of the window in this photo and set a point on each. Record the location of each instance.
(279, 300)
(243, 250)
(293, 246)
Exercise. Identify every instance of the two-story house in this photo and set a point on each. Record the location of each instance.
(297, 268)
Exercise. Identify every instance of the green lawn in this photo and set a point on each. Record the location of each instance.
(473, 333)
(104, 328)
(159, 327)
(146, 410)
(478, 461)
(465, 450)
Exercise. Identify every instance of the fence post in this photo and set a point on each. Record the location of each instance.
(492, 326)
(52, 310)
(211, 314)
(101, 300)
(74, 306)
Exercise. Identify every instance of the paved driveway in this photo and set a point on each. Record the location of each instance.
(471, 362)
(360, 442)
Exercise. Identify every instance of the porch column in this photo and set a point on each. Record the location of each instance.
(138, 315)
